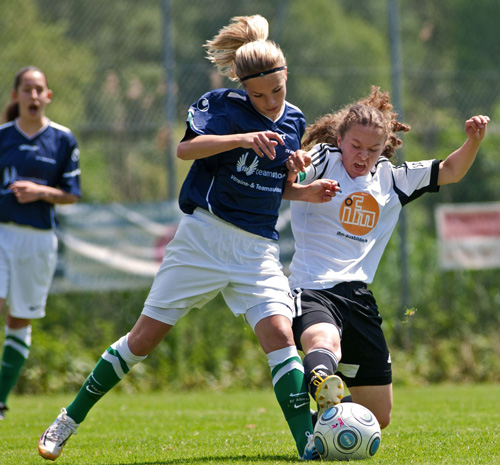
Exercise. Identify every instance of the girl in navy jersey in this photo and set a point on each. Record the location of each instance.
(338, 248)
(240, 140)
(38, 168)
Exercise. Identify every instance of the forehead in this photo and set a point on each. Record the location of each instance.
(267, 83)
(33, 77)
(368, 135)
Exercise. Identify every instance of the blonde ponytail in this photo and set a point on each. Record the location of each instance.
(241, 49)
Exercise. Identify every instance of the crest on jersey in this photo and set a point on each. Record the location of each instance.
(203, 104)
(75, 155)
(359, 213)
(241, 165)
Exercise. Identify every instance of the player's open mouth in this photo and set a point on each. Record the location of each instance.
(33, 108)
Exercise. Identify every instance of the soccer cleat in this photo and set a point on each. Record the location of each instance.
(310, 451)
(329, 393)
(51, 442)
(3, 409)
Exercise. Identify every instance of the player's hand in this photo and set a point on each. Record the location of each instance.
(321, 191)
(26, 191)
(475, 127)
(298, 161)
(263, 143)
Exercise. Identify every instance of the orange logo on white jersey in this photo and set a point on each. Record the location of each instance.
(359, 213)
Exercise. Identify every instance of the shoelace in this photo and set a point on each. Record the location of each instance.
(59, 431)
(310, 447)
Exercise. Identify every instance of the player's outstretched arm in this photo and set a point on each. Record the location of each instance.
(319, 191)
(456, 165)
(206, 145)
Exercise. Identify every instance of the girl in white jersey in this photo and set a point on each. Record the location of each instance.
(239, 141)
(38, 168)
(339, 245)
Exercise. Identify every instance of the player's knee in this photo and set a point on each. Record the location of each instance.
(384, 419)
(274, 333)
(276, 340)
(321, 336)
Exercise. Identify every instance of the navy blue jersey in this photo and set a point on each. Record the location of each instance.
(239, 186)
(49, 158)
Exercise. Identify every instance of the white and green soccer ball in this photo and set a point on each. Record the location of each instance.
(347, 431)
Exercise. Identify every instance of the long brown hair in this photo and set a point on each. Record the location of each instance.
(375, 110)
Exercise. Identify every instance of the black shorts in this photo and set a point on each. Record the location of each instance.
(351, 307)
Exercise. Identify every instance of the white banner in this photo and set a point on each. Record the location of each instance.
(112, 246)
(469, 235)
(118, 247)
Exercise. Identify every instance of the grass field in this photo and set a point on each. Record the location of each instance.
(430, 425)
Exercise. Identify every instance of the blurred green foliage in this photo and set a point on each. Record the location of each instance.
(451, 334)
(208, 348)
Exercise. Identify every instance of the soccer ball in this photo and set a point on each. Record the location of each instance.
(347, 431)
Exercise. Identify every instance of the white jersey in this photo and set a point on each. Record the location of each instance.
(343, 240)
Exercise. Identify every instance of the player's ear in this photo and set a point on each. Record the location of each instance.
(49, 95)
(14, 95)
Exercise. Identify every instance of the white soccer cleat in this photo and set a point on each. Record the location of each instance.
(52, 441)
(310, 452)
(329, 393)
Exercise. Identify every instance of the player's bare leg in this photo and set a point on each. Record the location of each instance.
(377, 399)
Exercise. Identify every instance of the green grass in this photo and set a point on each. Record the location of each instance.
(431, 425)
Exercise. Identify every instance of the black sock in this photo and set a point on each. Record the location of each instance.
(318, 364)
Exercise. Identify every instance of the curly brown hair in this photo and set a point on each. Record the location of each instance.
(376, 110)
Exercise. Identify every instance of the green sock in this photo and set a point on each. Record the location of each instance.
(12, 362)
(292, 394)
(108, 372)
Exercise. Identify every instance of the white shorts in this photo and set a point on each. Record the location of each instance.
(28, 259)
(208, 256)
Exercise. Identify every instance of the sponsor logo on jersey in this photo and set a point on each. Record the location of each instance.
(241, 165)
(28, 148)
(45, 160)
(9, 176)
(252, 168)
(359, 213)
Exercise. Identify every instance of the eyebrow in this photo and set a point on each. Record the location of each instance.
(359, 142)
(274, 89)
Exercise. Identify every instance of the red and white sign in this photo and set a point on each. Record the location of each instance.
(469, 235)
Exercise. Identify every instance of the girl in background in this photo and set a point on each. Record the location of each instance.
(38, 169)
